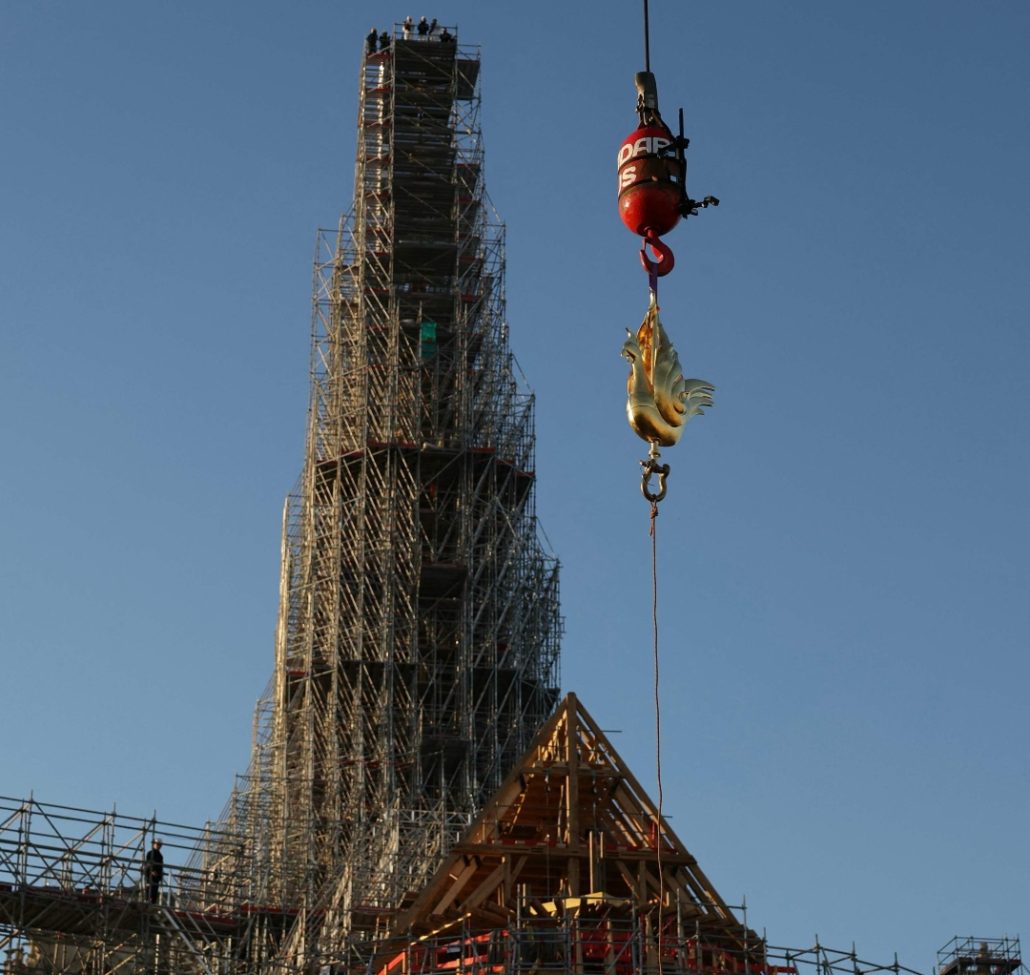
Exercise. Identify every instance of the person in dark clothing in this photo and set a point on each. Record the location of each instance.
(370, 40)
(384, 41)
(432, 27)
(423, 27)
(446, 36)
(153, 871)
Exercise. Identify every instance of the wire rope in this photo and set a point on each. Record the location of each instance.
(657, 722)
(647, 39)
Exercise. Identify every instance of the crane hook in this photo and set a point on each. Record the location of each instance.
(663, 262)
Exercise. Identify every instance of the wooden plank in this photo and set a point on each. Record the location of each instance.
(512, 876)
(485, 889)
(572, 791)
(459, 881)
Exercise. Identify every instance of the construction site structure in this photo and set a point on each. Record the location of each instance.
(980, 956)
(419, 801)
(568, 869)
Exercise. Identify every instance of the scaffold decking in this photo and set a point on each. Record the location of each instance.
(72, 897)
(979, 956)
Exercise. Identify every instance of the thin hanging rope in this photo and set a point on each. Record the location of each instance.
(657, 722)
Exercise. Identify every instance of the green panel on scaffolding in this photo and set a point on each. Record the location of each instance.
(427, 335)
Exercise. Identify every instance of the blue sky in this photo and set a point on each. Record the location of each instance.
(843, 552)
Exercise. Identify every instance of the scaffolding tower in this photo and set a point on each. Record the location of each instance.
(980, 956)
(418, 637)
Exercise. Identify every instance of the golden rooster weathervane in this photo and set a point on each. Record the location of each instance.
(660, 400)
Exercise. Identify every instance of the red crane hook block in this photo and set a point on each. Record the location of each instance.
(663, 262)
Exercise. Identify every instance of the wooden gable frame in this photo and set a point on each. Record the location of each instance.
(570, 830)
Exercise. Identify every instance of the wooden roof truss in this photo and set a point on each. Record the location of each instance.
(570, 831)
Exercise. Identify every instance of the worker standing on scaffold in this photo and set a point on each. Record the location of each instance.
(153, 870)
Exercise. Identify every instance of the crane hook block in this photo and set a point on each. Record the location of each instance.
(650, 181)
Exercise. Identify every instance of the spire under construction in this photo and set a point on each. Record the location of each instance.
(417, 649)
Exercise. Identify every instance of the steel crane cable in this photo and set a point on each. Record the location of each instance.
(647, 40)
